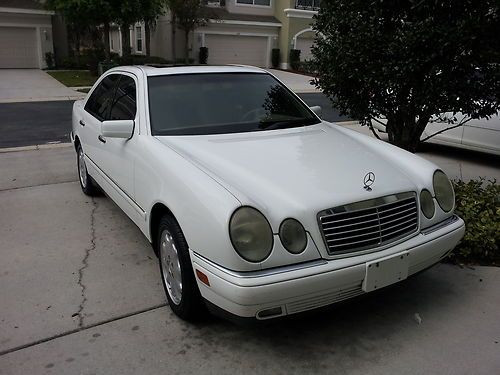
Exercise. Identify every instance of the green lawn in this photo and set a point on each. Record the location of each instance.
(72, 78)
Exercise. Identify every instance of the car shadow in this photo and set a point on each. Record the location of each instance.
(354, 329)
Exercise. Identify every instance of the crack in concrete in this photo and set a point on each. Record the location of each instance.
(85, 264)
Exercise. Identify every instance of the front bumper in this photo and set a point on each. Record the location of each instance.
(311, 285)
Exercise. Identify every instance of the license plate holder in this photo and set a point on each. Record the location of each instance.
(386, 271)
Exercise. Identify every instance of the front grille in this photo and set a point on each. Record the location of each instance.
(369, 224)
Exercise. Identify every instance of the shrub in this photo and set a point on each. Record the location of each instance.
(203, 55)
(478, 204)
(141, 60)
(295, 59)
(275, 58)
(49, 60)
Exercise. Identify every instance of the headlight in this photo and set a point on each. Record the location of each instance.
(293, 236)
(427, 204)
(250, 234)
(443, 190)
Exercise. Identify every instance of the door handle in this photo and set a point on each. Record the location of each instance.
(82, 123)
(101, 138)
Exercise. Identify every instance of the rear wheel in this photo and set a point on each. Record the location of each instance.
(87, 184)
(177, 273)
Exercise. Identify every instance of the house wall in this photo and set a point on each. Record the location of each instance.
(291, 26)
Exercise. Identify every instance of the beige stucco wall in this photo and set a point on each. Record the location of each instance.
(290, 27)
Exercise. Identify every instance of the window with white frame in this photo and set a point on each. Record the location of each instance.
(138, 38)
(254, 2)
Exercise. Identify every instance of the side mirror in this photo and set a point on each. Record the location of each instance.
(118, 129)
(316, 109)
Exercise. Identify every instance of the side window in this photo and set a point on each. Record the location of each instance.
(124, 106)
(100, 101)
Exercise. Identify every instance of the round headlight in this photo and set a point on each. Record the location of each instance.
(427, 204)
(443, 190)
(293, 236)
(251, 234)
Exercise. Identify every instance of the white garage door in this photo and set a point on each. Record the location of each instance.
(18, 47)
(236, 49)
(305, 44)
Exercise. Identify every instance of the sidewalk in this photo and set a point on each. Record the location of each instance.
(31, 85)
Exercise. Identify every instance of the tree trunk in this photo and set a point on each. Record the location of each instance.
(125, 31)
(147, 36)
(186, 46)
(107, 49)
(174, 30)
(404, 131)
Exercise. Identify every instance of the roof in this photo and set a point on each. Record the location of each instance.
(22, 4)
(221, 14)
(190, 69)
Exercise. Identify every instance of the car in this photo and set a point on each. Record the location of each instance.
(477, 134)
(256, 207)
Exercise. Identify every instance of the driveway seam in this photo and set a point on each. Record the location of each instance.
(85, 264)
(40, 185)
(80, 329)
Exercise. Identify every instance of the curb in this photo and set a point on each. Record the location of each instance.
(47, 146)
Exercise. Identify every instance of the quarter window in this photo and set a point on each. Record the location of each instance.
(254, 2)
(124, 105)
(100, 101)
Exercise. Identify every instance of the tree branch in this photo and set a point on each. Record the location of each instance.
(370, 125)
(451, 127)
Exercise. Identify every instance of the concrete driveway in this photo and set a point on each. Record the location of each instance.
(25, 85)
(80, 293)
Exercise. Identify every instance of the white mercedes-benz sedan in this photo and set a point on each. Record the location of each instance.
(255, 206)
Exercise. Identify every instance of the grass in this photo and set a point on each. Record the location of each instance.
(74, 78)
(83, 90)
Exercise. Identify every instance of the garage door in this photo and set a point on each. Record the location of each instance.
(236, 49)
(18, 47)
(305, 44)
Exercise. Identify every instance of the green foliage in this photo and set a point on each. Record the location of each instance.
(276, 57)
(49, 60)
(295, 59)
(409, 60)
(140, 60)
(478, 204)
(203, 55)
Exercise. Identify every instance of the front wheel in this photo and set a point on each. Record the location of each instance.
(177, 273)
(86, 182)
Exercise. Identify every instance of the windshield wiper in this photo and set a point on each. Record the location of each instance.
(283, 124)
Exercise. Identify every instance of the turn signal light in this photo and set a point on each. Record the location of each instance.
(202, 277)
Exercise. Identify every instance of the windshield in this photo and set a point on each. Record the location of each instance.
(218, 103)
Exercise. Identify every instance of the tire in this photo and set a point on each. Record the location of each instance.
(89, 187)
(177, 273)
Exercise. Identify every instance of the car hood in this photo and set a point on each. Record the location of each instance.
(294, 172)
